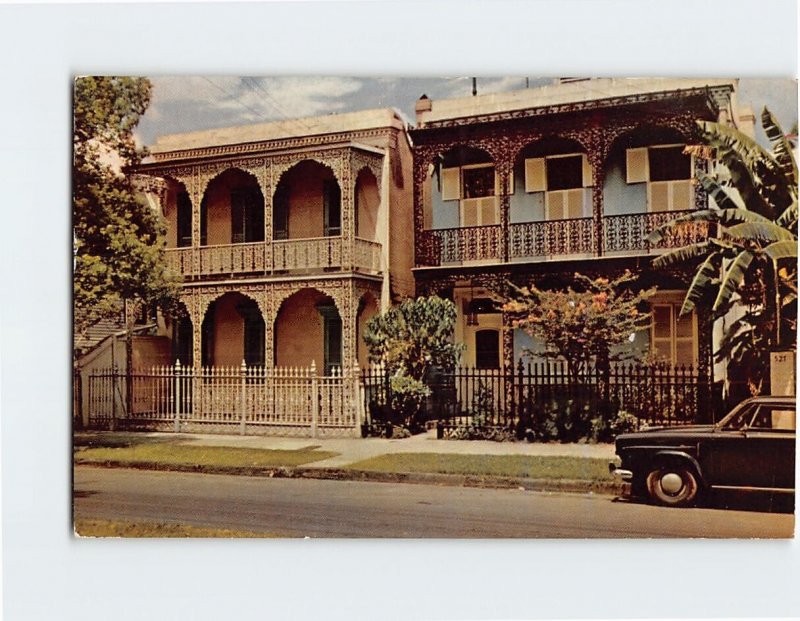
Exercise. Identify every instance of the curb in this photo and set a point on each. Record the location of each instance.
(341, 474)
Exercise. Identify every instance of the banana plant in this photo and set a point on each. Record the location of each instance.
(752, 223)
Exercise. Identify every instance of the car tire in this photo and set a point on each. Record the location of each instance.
(672, 486)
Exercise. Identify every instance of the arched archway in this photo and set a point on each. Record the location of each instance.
(368, 307)
(232, 209)
(308, 327)
(307, 203)
(233, 331)
(646, 171)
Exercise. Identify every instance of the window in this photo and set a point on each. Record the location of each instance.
(563, 179)
(487, 349)
(774, 417)
(184, 237)
(674, 338)
(182, 341)
(280, 213)
(253, 337)
(477, 182)
(247, 216)
(332, 336)
(476, 187)
(332, 205)
(667, 172)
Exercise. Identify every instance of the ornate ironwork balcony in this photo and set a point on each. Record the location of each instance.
(311, 254)
(627, 233)
(464, 244)
(573, 236)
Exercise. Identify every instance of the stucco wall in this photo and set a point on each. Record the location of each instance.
(306, 208)
(401, 219)
(367, 205)
(299, 331)
(149, 351)
(228, 332)
(369, 310)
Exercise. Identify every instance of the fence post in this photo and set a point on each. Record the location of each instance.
(112, 425)
(177, 396)
(243, 398)
(314, 399)
(358, 399)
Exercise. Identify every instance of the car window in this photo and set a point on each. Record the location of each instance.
(740, 419)
(774, 417)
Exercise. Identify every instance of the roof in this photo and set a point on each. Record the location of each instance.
(559, 94)
(289, 128)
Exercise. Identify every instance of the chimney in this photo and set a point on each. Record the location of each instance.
(423, 105)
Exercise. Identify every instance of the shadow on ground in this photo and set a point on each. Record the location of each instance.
(737, 501)
(117, 440)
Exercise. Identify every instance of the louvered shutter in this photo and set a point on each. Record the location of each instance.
(469, 211)
(555, 205)
(535, 175)
(574, 203)
(488, 210)
(658, 195)
(636, 165)
(451, 184)
(587, 172)
(682, 195)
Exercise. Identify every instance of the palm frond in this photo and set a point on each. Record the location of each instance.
(703, 279)
(720, 194)
(784, 249)
(734, 277)
(764, 231)
(780, 147)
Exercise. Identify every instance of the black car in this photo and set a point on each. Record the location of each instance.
(751, 449)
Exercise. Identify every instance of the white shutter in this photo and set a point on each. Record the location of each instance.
(451, 184)
(636, 165)
(682, 195)
(470, 212)
(535, 176)
(587, 172)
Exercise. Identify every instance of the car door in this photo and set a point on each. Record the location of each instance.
(724, 454)
(771, 439)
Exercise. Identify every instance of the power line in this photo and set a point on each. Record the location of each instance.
(219, 88)
(252, 84)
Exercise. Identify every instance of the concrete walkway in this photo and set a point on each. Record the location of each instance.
(352, 450)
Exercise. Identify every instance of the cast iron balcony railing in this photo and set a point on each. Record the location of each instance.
(290, 255)
(463, 245)
(628, 233)
(574, 236)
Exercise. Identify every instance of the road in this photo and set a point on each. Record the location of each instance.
(319, 508)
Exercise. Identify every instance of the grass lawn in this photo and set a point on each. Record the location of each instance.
(113, 528)
(183, 454)
(520, 466)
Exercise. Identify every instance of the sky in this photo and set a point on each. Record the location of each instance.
(183, 104)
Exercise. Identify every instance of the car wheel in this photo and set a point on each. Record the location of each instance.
(672, 486)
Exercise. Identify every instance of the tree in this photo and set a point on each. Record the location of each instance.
(751, 258)
(117, 239)
(581, 325)
(409, 340)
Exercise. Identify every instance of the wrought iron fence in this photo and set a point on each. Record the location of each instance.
(545, 398)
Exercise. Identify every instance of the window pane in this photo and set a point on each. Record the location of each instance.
(184, 220)
(478, 182)
(669, 163)
(662, 321)
(684, 352)
(684, 326)
(565, 173)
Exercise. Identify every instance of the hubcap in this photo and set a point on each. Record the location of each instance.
(671, 483)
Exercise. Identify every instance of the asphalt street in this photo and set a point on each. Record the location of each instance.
(319, 508)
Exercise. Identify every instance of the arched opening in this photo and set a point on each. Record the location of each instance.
(367, 197)
(308, 328)
(367, 309)
(461, 190)
(232, 332)
(181, 336)
(178, 215)
(232, 210)
(551, 181)
(646, 171)
(307, 203)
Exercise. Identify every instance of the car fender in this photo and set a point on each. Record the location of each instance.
(681, 456)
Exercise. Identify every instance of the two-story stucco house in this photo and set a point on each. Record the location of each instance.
(289, 236)
(538, 184)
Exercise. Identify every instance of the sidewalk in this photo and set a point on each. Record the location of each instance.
(352, 450)
(483, 471)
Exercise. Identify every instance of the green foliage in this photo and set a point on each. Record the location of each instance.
(752, 258)
(117, 240)
(408, 340)
(583, 325)
(414, 336)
